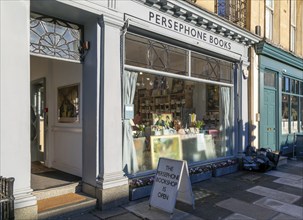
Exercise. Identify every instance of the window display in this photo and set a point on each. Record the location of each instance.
(192, 119)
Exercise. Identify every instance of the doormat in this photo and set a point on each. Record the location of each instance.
(59, 201)
(37, 167)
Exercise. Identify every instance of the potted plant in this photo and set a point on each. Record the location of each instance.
(200, 125)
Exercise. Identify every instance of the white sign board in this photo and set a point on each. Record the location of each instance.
(171, 183)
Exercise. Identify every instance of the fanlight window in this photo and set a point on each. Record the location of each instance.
(52, 37)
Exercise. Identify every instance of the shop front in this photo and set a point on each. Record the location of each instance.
(184, 88)
(281, 98)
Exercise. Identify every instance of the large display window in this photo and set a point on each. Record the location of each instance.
(186, 115)
(292, 113)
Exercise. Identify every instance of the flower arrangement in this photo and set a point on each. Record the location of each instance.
(140, 182)
(141, 127)
(199, 124)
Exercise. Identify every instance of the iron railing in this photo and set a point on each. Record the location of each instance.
(233, 10)
(7, 198)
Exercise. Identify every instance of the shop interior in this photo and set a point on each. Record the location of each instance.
(180, 119)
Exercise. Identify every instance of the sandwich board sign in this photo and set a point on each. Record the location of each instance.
(171, 183)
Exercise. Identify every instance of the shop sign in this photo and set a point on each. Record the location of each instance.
(171, 183)
(190, 30)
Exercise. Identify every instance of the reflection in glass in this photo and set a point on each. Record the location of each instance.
(151, 54)
(269, 79)
(301, 122)
(294, 114)
(285, 114)
(211, 69)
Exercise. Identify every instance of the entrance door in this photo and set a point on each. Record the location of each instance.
(38, 120)
(269, 131)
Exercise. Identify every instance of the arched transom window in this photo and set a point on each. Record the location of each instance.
(53, 37)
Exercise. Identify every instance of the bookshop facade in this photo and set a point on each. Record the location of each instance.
(185, 85)
(152, 79)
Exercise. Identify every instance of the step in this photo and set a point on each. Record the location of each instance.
(65, 205)
(57, 191)
(282, 160)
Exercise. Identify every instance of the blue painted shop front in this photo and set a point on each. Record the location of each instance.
(281, 98)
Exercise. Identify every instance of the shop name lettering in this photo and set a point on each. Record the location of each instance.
(187, 30)
(167, 179)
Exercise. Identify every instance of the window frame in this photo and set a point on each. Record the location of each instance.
(269, 10)
(292, 34)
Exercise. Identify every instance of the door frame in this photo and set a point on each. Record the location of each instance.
(32, 83)
(277, 104)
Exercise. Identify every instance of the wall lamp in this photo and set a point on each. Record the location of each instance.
(83, 49)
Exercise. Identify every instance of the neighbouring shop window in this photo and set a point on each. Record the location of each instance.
(294, 114)
(285, 114)
(291, 105)
(301, 114)
(53, 37)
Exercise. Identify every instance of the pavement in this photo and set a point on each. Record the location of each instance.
(244, 195)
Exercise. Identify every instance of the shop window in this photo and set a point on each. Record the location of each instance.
(269, 79)
(180, 119)
(294, 114)
(301, 114)
(151, 54)
(53, 37)
(285, 84)
(211, 69)
(285, 114)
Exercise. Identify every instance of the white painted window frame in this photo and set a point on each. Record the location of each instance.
(269, 18)
(292, 25)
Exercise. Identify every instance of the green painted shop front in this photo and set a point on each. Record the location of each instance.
(280, 97)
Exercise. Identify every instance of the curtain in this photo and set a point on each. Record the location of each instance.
(225, 119)
(130, 164)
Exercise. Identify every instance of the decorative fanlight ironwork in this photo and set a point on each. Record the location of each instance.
(53, 37)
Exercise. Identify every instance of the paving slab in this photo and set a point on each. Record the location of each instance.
(124, 217)
(284, 175)
(143, 210)
(290, 182)
(288, 209)
(82, 216)
(104, 214)
(247, 209)
(274, 194)
(237, 216)
(282, 216)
